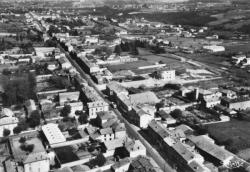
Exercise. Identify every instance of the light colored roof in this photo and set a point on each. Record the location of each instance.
(33, 157)
(145, 97)
(53, 133)
(134, 146)
(106, 131)
(44, 49)
(65, 169)
(113, 144)
(91, 94)
(197, 167)
(116, 87)
(8, 120)
(7, 112)
(183, 151)
(69, 96)
(206, 145)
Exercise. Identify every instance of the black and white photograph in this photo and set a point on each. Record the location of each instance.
(124, 85)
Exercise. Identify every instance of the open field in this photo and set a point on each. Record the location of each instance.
(234, 134)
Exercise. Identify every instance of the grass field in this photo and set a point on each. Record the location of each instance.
(234, 134)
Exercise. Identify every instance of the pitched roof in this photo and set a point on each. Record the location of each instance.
(116, 87)
(206, 145)
(53, 133)
(106, 131)
(134, 145)
(186, 154)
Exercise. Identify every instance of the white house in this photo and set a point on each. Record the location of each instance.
(111, 146)
(65, 64)
(37, 162)
(167, 74)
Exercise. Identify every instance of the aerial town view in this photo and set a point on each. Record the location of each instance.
(124, 85)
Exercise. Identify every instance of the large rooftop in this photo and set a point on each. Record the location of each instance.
(53, 134)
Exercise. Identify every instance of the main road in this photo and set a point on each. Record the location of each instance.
(131, 130)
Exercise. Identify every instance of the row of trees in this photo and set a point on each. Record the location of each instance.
(127, 47)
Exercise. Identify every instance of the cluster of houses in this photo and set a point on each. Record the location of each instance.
(79, 129)
(62, 142)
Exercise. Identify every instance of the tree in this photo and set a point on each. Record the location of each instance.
(133, 49)
(50, 43)
(6, 132)
(35, 118)
(17, 130)
(22, 140)
(66, 110)
(118, 50)
(100, 160)
(60, 82)
(83, 117)
(27, 147)
(177, 113)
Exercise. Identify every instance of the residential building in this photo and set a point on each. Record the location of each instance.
(120, 131)
(140, 117)
(241, 103)
(104, 117)
(35, 161)
(208, 148)
(9, 123)
(135, 148)
(94, 102)
(141, 163)
(111, 146)
(105, 134)
(121, 166)
(66, 97)
(64, 62)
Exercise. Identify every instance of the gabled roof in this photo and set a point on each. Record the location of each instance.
(53, 134)
(208, 146)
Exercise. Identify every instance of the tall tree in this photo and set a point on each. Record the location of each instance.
(118, 50)
(35, 118)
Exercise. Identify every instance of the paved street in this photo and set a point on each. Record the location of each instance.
(132, 132)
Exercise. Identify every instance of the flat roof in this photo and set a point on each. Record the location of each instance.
(53, 134)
